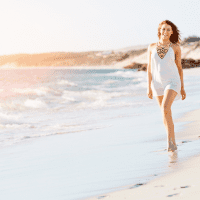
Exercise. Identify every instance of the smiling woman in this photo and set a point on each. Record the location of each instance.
(165, 76)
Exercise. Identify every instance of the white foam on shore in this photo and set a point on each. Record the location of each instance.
(66, 82)
(92, 98)
(14, 126)
(128, 74)
(39, 91)
(9, 116)
(35, 103)
(109, 82)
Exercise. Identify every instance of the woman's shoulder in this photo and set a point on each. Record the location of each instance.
(151, 46)
(176, 47)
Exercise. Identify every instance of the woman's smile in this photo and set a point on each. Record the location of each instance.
(166, 31)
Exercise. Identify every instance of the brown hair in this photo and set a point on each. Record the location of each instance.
(175, 37)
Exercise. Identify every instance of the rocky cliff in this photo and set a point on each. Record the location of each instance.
(190, 50)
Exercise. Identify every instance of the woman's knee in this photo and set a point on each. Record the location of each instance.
(165, 109)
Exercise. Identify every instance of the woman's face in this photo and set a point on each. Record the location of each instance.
(165, 32)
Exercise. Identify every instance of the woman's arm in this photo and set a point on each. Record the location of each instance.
(180, 70)
(178, 63)
(149, 75)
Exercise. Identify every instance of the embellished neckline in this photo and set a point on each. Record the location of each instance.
(162, 51)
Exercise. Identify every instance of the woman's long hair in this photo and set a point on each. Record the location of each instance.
(175, 37)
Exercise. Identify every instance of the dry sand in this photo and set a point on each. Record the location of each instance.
(182, 182)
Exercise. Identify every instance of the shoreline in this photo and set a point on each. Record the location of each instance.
(114, 66)
(67, 67)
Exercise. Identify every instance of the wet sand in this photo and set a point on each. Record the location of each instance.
(181, 183)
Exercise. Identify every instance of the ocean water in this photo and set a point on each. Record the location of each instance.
(40, 102)
(111, 133)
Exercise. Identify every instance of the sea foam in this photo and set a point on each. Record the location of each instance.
(35, 103)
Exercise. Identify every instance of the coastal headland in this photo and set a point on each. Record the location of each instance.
(129, 58)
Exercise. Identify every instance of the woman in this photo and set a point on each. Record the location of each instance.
(165, 74)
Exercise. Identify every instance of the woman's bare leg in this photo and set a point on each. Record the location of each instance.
(165, 103)
(159, 100)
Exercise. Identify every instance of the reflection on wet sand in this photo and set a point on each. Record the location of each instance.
(173, 159)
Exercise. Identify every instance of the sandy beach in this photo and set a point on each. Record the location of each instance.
(182, 181)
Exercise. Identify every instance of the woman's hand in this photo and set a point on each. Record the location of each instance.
(150, 93)
(183, 94)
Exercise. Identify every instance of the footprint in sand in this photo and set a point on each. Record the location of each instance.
(185, 141)
(187, 186)
(101, 197)
(137, 185)
(171, 195)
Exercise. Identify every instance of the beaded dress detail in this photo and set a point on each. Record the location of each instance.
(162, 51)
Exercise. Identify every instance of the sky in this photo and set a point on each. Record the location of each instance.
(39, 26)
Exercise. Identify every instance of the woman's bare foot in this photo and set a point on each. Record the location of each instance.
(171, 145)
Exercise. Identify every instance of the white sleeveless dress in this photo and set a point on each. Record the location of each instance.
(165, 73)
